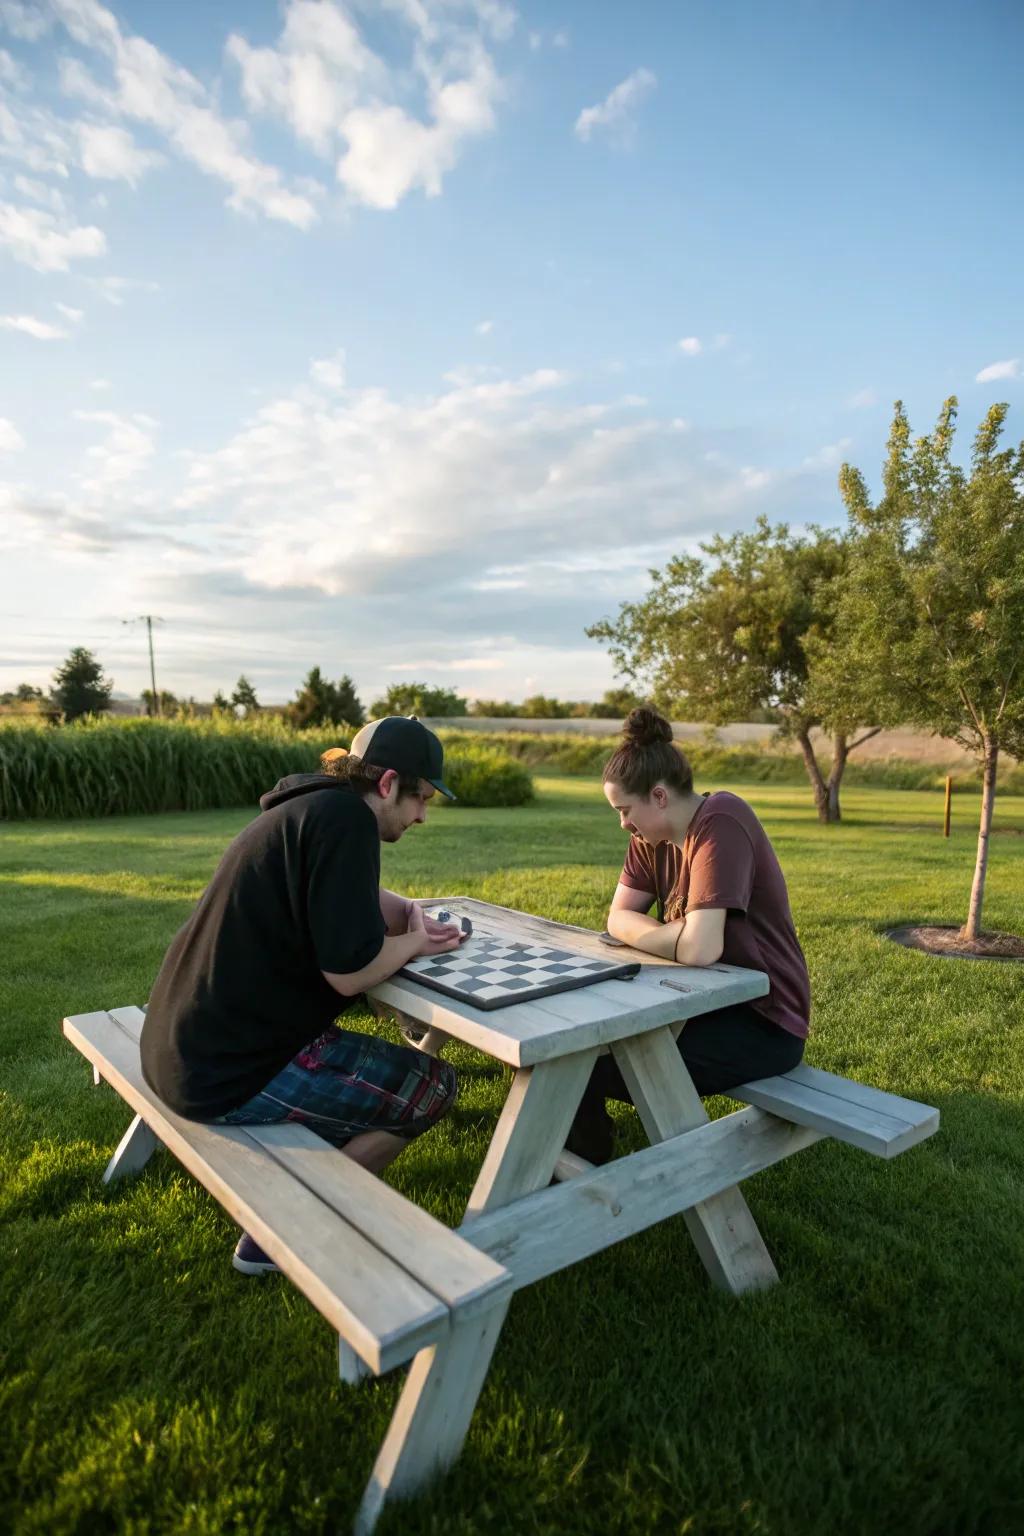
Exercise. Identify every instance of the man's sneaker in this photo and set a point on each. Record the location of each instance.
(249, 1258)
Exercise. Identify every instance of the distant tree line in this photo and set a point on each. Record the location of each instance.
(81, 688)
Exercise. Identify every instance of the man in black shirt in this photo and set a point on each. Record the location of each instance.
(292, 927)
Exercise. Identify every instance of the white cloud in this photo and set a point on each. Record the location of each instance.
(111, 154)
(862, 399)
(755, 479)
(41, 241)
(390, 153)
(691, 345)
(22, 20)
(33, 137)
(354, 495)
(484, 328)
(329, 371)
(42, 330)
(99, 384)
(11, 72)
(151, 88)
(113, 289)
(343, 100)
(451, 664)
(1008, 369)
(615, 112)
(69, 313)
(491, 519)
(124, 452)
(829, 455)
(537, 40)
(11, 440)
(318, 71)
(41, 192)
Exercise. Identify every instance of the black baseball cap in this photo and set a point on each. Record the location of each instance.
(402, 742)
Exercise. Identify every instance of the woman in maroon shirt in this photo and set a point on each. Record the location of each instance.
(705, 864)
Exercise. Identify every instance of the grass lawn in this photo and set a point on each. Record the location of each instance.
(148, 1388)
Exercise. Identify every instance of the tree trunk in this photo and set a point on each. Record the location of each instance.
(972, 927)
(818, 785)
(840, 752)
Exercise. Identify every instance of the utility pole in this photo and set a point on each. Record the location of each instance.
(149, 619)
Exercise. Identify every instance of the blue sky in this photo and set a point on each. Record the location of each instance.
(403, 337)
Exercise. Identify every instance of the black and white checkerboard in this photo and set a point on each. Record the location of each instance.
(494, 973)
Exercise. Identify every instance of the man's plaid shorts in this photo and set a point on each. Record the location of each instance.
(344, 1083)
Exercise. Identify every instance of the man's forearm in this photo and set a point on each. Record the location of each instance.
(395, 952)
(394, 909)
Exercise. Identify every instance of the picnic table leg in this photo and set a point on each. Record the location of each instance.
(445, 1379)
(433, 1413)
(134, 1151)
(723, 1230)
(531, 1132)
(352, 1369)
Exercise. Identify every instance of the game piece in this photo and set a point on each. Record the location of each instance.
(444, 916)
(495, 973)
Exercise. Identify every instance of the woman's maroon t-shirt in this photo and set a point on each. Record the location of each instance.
(727, 861)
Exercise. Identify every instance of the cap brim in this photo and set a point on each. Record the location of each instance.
(442, 788)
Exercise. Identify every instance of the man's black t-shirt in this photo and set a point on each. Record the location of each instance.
(240, 991)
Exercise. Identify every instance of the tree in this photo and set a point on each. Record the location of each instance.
(934, 602)
(244, 696)
(740, 632)
(79, 686)
(418, 699)
(321, 702)
(539, 707)
(350, 709)
(27, 701)
(493, 709)
(614, 704)
(220, 702)
(166, 703)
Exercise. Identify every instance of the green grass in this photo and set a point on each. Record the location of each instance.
(148, 1389)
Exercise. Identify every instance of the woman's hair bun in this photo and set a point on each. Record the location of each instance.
(333, 754)
(644, 726)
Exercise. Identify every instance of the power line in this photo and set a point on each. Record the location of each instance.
(149, 619)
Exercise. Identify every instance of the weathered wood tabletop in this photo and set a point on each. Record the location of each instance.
(528, 1033)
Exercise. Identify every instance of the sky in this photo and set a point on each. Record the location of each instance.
(404, 338)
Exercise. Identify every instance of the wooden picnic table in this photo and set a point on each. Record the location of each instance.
(398, 1285)
(552, 1045)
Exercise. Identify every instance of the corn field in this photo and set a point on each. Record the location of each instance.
(104, 767)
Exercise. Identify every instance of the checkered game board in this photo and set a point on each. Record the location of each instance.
(494, 973)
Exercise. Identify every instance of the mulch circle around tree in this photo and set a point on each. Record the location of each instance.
(948, 941)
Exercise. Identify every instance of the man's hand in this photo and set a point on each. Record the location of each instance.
(436, 938)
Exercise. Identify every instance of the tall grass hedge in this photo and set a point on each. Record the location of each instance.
(712, 763)
(106, 767)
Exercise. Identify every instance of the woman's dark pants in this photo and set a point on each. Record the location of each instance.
(720, 1050)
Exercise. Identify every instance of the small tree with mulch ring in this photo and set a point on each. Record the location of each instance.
(933, 607)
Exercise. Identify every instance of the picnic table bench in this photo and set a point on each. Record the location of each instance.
(396, 1284)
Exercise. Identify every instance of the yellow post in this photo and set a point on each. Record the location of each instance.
(949, 801)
